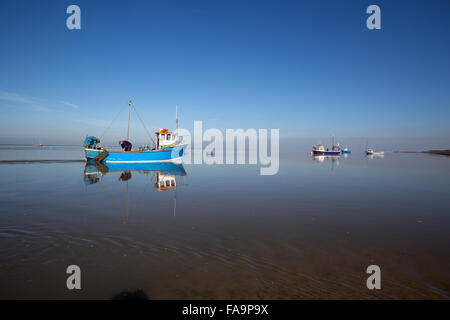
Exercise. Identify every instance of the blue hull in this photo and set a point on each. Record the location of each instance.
(346, 151)
(326, 153)
(166, 154)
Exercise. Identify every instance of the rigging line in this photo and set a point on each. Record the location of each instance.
(143, 124)
(109, 126)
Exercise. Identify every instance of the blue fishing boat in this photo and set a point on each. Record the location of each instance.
(346, 151)
(167, 148)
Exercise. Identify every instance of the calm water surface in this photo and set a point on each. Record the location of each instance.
(225, 232)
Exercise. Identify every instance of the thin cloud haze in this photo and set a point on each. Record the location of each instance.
(72, 105)
(42, 109)
(14, 97)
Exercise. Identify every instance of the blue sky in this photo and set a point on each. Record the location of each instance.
(309, 68)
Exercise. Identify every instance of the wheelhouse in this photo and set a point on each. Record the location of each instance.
(164, 138)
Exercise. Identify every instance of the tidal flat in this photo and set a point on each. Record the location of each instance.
(225, 231)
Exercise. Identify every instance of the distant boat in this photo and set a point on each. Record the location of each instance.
(371, 152)
(166, 149)
(37, 145)
(346, 151)
(320, 150)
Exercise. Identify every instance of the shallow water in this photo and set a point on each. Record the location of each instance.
(225, 232)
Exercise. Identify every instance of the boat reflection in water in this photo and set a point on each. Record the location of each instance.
(333, 159)
(375, 156)
(93, 171)
(164, 175)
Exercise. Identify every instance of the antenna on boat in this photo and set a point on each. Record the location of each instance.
(129, 111)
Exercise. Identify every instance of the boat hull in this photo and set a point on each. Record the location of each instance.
(163, 155)
(326, 153)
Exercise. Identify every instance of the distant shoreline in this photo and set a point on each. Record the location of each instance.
(44, 145)
(445, 152)
(38, 161)
(440, 152)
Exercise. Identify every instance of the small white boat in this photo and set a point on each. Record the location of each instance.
(371, 152)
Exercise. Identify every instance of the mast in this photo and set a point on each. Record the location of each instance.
(176, 117)
(129, 111)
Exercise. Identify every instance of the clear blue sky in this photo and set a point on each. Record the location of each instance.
(309, 68)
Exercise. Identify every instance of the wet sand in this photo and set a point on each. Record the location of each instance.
(307, 259)
(234, 234)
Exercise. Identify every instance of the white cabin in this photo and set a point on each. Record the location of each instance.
(164, 138)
